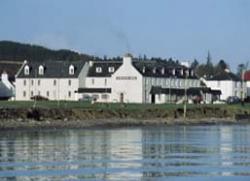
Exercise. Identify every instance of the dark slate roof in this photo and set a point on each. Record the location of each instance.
(53, 69)
(144, 67)
(181, 92)
(225, 76)
(94, 90)
(105, 68)
(147, 68)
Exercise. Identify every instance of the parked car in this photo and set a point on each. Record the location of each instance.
(86, 98)
(233, 100)
(39, 98)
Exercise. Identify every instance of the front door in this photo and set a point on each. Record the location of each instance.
(121, 97)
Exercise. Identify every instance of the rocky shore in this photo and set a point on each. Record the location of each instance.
(13, 118)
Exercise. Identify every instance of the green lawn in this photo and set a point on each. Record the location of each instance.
(111, 106)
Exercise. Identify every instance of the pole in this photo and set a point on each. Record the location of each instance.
(185, 99)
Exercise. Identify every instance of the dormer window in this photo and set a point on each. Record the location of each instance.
(154, 70)
(143, 69)
(163, 71)
(26, 70)
(173, 71)
(41, 70)
(182, 72)
(71, 70)
(98, 69)
(111, 69)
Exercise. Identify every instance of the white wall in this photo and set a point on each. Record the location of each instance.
(59, 91)
(127, 81)
(98, 82)
(248, 88)
(227, 88)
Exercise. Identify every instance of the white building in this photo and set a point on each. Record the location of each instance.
(53, 80)
(135, 81)
(246, 76)
(7, 89)
(228, 83)
(126, 81)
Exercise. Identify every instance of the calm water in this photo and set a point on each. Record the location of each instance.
(152, 153)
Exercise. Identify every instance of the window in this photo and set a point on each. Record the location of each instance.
(93, 81)
(32, 82)
(159, 97)
(47, 93)
(154, 70)
(111, 69)
(38, 82)
(54, 82)
(105, 82)
(104, 96)
(69, 82)
(40, 70)
(69, 94)
(31, 93)
(26, 70)
(24, 94)
(95, 97)
(162, 71)
(71, 70)
(98, 69)
(218, 83)
(24, 82)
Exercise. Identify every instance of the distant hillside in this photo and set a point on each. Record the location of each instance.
(13, 51)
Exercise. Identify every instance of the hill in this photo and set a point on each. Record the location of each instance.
(12, 55)
(15, 51)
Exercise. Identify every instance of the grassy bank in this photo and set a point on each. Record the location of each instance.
(111, 106)
(53, 114)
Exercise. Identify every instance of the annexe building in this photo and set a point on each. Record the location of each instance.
(228, 83)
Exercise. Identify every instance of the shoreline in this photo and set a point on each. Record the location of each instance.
(54, 118)
(112, 123)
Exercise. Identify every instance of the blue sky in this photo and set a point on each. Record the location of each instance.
(182, 29)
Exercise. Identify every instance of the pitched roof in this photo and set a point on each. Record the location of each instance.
(225, 76)
(104, 65)
(53, 69)
(149, 68)
(247, 75)
(154, 69)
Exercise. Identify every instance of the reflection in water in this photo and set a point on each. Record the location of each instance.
(181, 152)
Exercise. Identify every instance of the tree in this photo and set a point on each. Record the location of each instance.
(221, 66)
(194, 64)
(241, 67)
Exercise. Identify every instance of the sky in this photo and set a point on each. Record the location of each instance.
(181, 29)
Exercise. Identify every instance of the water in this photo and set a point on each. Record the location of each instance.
(152, 153)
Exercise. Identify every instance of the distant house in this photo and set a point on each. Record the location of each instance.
(53, 80)
(247, 81)
(228, 83)
(7, 89)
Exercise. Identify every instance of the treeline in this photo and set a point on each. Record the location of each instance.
(19, 52)
(14, 51)
(209, 69)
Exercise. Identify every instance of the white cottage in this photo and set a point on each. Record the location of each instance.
(228, 83)
(7, 89)
(52, 80)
